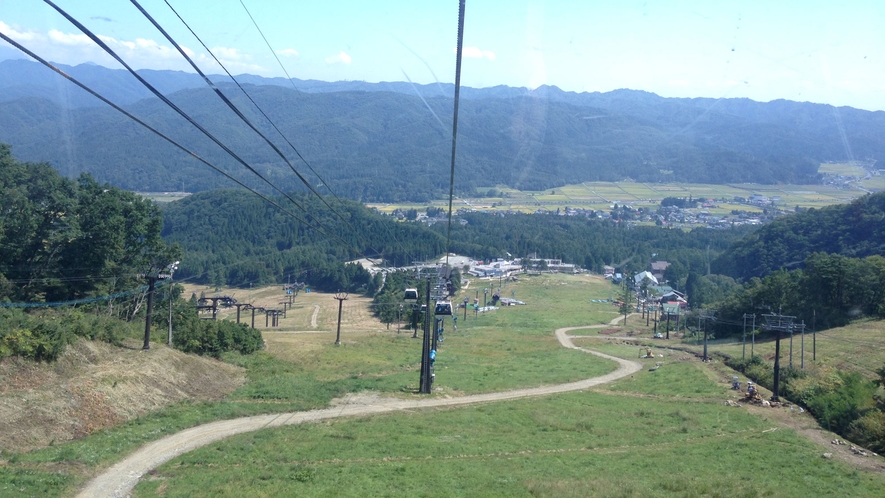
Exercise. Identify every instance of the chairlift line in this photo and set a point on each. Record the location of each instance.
(162, 97)
(234, 108)
(147, 126)
(98, 41)
(323, 182)
(459, 52)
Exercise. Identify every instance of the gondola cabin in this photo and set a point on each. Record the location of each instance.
(411, 295)
(443, 309)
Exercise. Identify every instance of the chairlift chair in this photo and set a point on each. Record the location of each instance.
(443, 308)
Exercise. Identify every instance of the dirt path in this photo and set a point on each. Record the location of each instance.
(119, 480)
(313, 318)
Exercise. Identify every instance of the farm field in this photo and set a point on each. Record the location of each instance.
(602, 195)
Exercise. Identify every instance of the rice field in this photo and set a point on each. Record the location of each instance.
(603, 195)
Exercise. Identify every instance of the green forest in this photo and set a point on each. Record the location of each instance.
(855, 230)
(73, 257)
(388, 147)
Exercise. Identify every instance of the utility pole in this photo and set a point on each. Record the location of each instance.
(791, 347)
(705, 317)
(814, 336)
(705, 338)
(341, 298)
(753, 337)
(744, 350)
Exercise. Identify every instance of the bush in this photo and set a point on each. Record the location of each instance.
(869, 431)
(211, 337)
(837, 409)
(755, 368)
(42, 336)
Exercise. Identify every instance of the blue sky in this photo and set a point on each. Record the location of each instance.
(827, 52)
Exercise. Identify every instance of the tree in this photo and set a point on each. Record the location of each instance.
(675, 273)
(693, 291)
(58, 229)
(455, 278)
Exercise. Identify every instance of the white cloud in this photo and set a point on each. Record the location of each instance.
(68, 38)
(226, 53)
(342, 57)
(476, 53)
(20, 36)
(288, 52)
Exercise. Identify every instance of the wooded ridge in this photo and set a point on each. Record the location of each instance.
(380, 142)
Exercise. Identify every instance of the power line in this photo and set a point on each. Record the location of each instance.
(455, 124)
(289, 78)
(149, 127)
(168, 102)
(236, 110)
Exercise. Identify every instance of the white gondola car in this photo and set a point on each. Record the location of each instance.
(443, 308)
(411, 295)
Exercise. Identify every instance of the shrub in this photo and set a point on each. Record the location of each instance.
(838, 408)
(42, 336)
(211, 337)
(869, 431)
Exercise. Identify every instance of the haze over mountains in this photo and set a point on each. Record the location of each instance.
(381, 142)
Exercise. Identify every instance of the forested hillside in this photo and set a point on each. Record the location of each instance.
(381, 142)
(855, 230)
(385, 146)
(232, 237)
(62, 239)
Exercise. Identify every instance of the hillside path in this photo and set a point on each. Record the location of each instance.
(121, 478)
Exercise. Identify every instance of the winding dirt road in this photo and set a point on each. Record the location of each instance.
(121, 478)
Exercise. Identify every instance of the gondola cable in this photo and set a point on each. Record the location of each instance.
(455, 125)
(239, 114)
(289, 78)
(149, 127)
(168, 102)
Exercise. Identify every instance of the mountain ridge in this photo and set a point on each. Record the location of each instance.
(380, 142)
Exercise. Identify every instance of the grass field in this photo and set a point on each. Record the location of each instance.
(164, 197)
(859, 346)
(663, 433)
(602, 195)
(842, 169)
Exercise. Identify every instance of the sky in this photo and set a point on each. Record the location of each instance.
(817, 51)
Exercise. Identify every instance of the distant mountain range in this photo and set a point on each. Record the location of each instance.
(381, 142)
